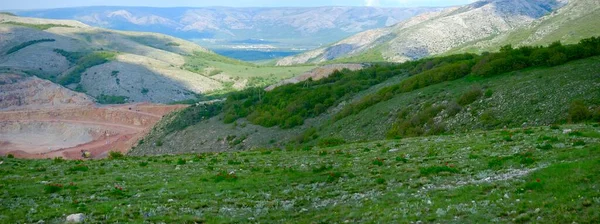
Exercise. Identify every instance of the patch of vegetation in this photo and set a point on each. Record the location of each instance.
(84, 63)
(330, 142)
(190, 116)
(288, 106)
(431, 170)
(72, 57)
(579, 112)
(111, 99)
(419, 124)
(485, 65)
(115, 155)
(27, 44)
(470, 96)
(36, 26)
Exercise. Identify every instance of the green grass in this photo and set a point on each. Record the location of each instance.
(209, 64)
(35, 26)
(437, 179)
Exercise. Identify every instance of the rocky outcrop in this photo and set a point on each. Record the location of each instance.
(19, 92)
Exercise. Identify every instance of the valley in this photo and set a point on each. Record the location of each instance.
(483, 112)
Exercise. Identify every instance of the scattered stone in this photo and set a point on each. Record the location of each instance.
(170, 200)
(567, 131)
(393, 150)
(177, 168)
(75, 218)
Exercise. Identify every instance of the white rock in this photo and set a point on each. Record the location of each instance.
(75, 218)
(170, 200)
(567, 131)
(393, 150)
(177, 168)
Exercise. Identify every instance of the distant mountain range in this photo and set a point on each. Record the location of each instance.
(267, 29)
(480, 26)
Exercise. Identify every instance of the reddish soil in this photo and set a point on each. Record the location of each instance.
(114, 128)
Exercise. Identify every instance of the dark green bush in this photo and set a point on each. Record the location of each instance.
(109, 99)
(27, 44)
(425, 171)
(330, 142)
(115, 155)
(79, 168)
(52, 188)
(419, 124)
(470, 96)
(579, 112)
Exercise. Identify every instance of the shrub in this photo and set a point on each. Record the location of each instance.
(10, 156)
(544, 147)
(333, 176)
(143, 164)
(79, 168)
(115, 155)
(58, 160)
(421, 123)
(330, 142)
(181, 161)
(223, 176)
(378, 162)
(401, 159)
(380, 181)
(578, 112)
(52, 188)
(425, 171)
(579, 143)
(111, 99)
(470, 96)
(489, 93)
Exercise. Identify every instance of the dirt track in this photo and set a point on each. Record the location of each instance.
(97, 129)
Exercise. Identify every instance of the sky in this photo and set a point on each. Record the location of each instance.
(46, 4)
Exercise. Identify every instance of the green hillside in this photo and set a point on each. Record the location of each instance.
(527, 86)
(535, 174)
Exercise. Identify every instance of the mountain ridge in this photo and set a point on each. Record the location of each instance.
(436, 33)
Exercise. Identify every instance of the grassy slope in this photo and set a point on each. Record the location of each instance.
(537, 96)
(539, 174)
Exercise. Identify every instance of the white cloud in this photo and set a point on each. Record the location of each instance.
(372, 3)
